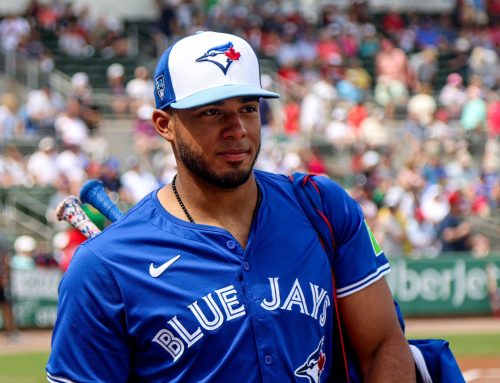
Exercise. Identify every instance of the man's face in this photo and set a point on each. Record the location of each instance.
(218, 143)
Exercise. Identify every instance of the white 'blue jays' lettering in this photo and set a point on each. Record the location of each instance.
(233, 309)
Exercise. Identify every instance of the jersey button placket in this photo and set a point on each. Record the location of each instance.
(246, 266)
(268, 359)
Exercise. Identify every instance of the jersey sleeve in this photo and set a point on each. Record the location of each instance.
(358, 261)
(89, 342)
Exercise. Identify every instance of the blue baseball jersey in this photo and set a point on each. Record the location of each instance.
(156, 299)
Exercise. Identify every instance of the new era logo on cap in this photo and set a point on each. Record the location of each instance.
(207, 67)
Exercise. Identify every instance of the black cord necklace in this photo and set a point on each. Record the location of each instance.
(181, 204)
(186, 212)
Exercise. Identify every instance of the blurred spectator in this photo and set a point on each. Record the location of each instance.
(440, 128)
(9, 324)
(13, 29)
(393, 22)
(71, 163)
(140, 89)
(452, 95)
(42, 164)
(24, 250)
(70, 127)
(137, 182)
(109, 39)
(291, 115)
(369, 44)
(427, 33)
(167, 21)
(313, 161)
(493, 115)
(12, 168)
(146, 140)
(74, 41)
(11, 123)
(96, 146)
(473, 119)
(454, 231)
(391, 224)
(316, 105)
(116, 77)
(421, 234)
(393, 76)
(434, 206)
(483, 62)
(327, 48)
(433, 170)
(358, 76)
(425, 65)
(42, 107)
(110, 175)
(338, 132)
(373, 131)
(422, 106)
(356, 114)
(81, 89)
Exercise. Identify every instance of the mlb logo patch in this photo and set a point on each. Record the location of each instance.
(160, 86)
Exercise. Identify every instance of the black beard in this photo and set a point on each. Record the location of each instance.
(195, 163)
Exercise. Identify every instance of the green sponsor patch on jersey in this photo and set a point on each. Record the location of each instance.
(376, 246)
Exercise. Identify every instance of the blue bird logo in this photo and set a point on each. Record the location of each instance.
(222, 56)
(314, 365)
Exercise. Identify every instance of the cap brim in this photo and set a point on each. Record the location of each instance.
(209, 96)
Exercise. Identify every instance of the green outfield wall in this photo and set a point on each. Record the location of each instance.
(444, 286)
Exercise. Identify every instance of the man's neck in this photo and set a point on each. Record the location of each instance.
(231, 209)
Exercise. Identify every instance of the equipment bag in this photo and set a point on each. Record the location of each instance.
(434, 359)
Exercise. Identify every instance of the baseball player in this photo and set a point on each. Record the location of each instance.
(220, 276)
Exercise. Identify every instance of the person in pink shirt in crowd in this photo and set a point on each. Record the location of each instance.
(394, 77)
(493, 115)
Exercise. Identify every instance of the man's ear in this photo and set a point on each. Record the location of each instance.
(163, 123)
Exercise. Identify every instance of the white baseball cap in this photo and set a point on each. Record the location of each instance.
(207, 67)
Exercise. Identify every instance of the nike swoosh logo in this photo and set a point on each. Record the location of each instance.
(155, 272)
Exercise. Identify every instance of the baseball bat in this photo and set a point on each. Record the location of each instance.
(93, 193)
(70, 210)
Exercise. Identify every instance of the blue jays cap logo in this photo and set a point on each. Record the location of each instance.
(222, 56)
(314, 365)
(160, 86)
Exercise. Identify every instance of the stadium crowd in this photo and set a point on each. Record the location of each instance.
(402, 109)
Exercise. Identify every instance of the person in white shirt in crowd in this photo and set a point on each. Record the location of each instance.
(116, 83)
(338, 132)
(42, 164)
(391, 224)
(137, 182)
(71, 162)
(69, 126)
(24, 247)
(42, 108)
(12, 30)
(453, 95)
(140, 88)
(316, 105)
(11, 123)
(12, 168)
